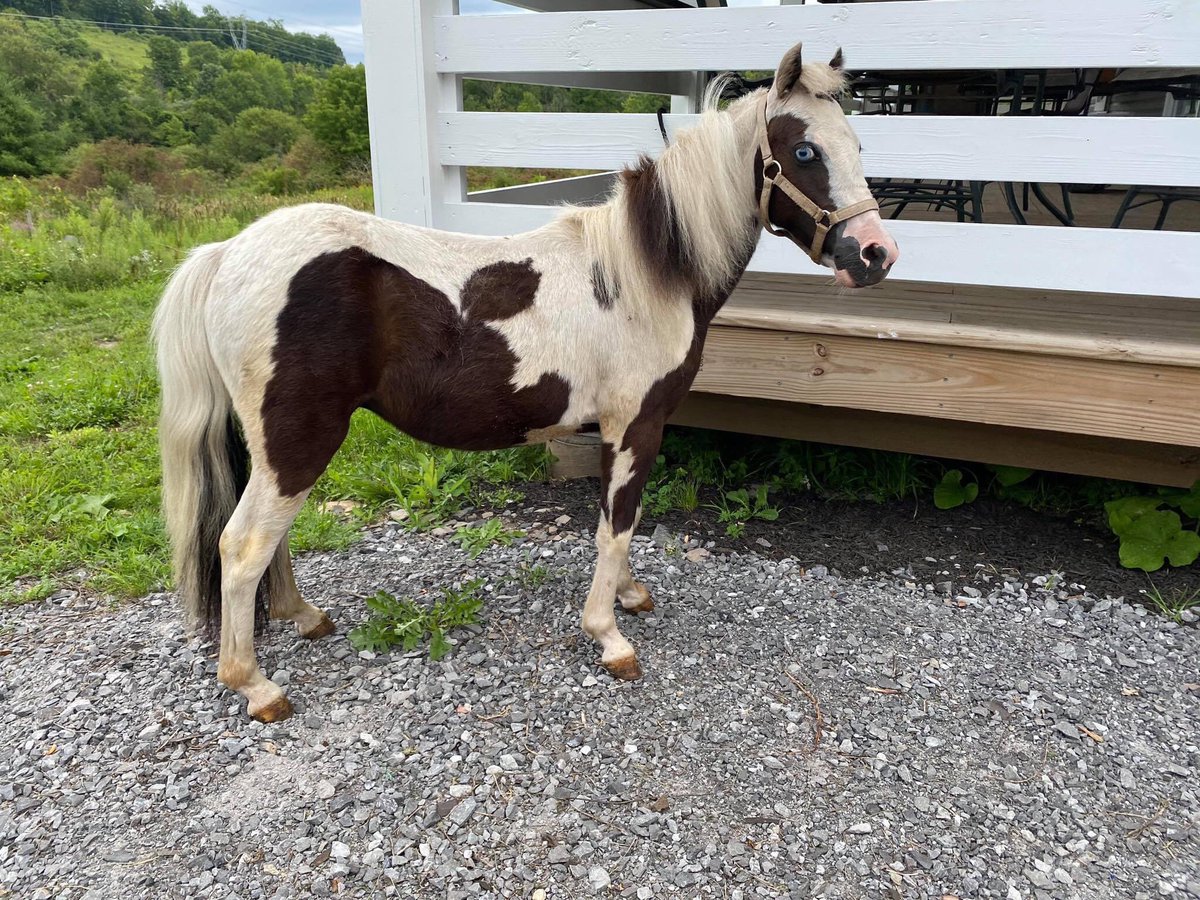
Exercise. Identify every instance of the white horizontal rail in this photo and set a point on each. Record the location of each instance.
(1094, 150)
(1101, 260)
(970, 34)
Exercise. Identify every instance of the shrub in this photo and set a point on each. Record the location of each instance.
(255, 134)
(116, 164)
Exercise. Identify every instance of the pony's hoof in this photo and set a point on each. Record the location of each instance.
(644, 605)
(639, 601)
(275, 711)
(625, 669)
(324, 628)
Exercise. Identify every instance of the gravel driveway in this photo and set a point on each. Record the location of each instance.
(798, 734)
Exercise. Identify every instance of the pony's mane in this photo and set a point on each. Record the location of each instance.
(684, 223)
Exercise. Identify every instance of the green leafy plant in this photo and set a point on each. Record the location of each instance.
(1151, 535)
(951, 491)
(405, 623)
(740, 506)
(477, 538)
(428, 492)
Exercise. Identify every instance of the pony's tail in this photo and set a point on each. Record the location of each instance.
(205, 464)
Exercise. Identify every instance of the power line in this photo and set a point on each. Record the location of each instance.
(298, 47)
(271, 17)
(131, 25)
(316, 54)
(272, 44)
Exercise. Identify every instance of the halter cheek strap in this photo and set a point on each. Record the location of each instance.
(773, 177)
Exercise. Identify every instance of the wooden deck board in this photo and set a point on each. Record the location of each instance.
(1160, 330)
(1143, 402)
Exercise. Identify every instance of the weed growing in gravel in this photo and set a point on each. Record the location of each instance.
(476, 538)
(1174, 603)
(740, 506)
(429, 492)
(532, 577)
(405, 623)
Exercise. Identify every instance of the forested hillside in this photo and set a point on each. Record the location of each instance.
(76, 99)
(106, 106)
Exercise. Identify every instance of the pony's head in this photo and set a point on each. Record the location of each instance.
(810, 176)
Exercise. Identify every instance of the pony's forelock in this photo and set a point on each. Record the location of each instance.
(822, 80)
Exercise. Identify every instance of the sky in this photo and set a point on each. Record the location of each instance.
(342, 19)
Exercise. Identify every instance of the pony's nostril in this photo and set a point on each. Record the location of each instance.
(875, 253)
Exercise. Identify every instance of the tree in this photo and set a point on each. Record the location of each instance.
(201, 54)
(255, 134)
(166, 62)
(645, 103)
(529, 103)
(204, 118)
(21, 138)
(338, 117)
(253, 80)
(104, 107)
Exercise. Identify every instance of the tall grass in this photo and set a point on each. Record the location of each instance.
(52, 238)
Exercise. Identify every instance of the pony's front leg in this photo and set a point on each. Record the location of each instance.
(248, 543)
(628, 454)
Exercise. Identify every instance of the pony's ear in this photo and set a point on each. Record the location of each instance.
(788, 74)
(837, 62)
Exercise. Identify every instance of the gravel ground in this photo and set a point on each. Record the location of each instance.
(798, 733)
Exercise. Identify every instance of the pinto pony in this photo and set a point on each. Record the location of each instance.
(268, 342)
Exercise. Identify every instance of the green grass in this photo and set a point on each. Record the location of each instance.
(1174, 602)
(78, 472)
(125, 51)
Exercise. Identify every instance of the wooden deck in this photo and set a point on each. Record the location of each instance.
(1088, 383)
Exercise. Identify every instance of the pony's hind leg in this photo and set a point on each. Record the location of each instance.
(634, 596)
(248, 544)
(286, 602)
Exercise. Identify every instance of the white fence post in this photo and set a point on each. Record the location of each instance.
(405, 93)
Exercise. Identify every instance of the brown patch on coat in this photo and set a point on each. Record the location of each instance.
(655, 226)
(785, 132)
(500, 290)
(644, 433)
(358, 331)
(605, 297)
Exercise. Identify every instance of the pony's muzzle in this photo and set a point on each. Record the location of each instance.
(863, 251)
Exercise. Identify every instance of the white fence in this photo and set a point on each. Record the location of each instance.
(419, 50)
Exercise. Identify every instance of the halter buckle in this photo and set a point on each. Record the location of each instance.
(778, 170)
(824, 217)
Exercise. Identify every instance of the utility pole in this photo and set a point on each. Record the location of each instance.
(238, 44)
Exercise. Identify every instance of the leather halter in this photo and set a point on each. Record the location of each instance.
(822, 219)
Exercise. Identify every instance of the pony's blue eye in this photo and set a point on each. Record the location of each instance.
(806, 153)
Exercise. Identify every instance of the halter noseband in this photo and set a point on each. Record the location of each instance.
(822, 219)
